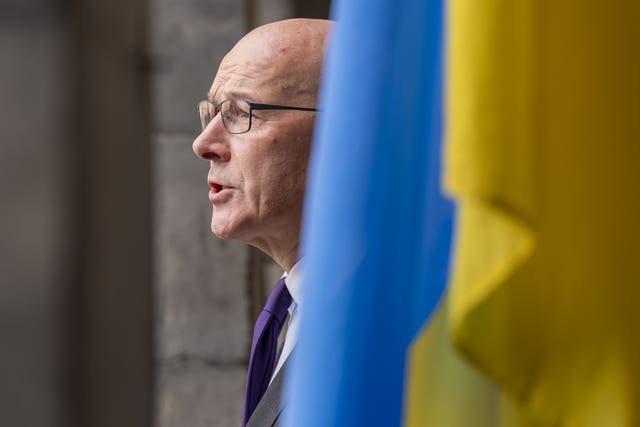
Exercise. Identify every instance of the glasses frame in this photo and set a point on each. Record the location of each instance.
(252, 106)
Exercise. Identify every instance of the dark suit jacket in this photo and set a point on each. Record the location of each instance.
(269, 409)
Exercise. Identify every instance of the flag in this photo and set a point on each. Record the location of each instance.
(377, 227)
(542, 158)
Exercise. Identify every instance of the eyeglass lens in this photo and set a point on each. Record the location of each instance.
(207, 112)
(235, 113)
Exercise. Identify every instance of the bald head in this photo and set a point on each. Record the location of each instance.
(283, 59)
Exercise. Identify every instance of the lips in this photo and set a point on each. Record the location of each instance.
(219, 192)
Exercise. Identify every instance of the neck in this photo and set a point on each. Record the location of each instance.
(285, 255)
(287, 260)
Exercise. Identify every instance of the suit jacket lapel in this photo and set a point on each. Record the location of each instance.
(272, 403)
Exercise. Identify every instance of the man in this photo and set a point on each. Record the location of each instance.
(257, 128)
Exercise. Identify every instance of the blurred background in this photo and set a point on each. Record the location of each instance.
(118, 307)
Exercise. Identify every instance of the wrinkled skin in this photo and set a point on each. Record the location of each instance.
(258, 178)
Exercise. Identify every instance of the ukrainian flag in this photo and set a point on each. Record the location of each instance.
(541, 156)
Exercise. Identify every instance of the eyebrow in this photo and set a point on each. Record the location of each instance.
(231, 94)
(210, 97)
(235, 93)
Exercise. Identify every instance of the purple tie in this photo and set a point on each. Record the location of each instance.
(264, 346)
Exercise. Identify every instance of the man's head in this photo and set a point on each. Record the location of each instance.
(257, 178)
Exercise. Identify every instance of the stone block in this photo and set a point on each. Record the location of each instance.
(189, 39)
(202, 281)
(200, 396)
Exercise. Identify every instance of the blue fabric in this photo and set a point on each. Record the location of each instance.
(377, 228)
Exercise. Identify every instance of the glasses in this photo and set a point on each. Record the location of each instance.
(236, 113)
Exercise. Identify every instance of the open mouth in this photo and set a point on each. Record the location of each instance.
(219, 193)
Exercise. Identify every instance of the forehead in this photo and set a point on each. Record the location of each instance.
(255, 75)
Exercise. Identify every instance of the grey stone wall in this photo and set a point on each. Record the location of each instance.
(202, 283)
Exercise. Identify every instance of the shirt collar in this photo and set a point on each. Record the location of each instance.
(293, 281)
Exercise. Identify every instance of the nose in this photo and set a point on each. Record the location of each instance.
(213, 142)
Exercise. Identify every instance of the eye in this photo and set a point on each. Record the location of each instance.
(213, 111)
(242, 109)
(234, 109)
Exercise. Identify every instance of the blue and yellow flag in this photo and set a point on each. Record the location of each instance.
(542, 145)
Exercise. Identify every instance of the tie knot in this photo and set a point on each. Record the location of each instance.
(279, 301)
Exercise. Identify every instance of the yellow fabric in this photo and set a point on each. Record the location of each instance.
(441, 384)
(543, 158)
(445, 391)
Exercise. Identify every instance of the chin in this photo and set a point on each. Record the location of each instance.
(241, 231)
(221, 232)
(228, 228)
(224, 225)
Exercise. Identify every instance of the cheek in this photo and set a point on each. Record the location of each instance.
(275, 165)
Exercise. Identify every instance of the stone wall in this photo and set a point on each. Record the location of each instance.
(202, 283)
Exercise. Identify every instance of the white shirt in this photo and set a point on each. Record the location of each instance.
(293, 282)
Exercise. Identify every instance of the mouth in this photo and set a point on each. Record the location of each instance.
(216, 187)
(218, 192)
